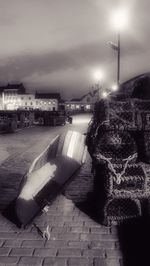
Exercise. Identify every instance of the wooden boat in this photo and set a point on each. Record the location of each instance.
(48, 173)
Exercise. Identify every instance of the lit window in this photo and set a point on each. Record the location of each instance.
(72, 106)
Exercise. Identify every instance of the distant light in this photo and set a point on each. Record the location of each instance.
(88, 106)
(104, 94)
(120, 19)
(98, 75)
(114, 87)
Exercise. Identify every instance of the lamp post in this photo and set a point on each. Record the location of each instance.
(118, 64)
(119, 22)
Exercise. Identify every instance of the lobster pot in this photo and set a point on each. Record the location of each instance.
(146, 145)
(145, 117)
(120, 106)
(141, 105)
(122, 120)
(126, 181)
(142, 109)
(142, 120)
(115, 146)
(117, 210)
(142, 139)
(147, 120)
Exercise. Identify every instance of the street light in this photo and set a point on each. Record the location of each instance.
(119, 21)
(105, 94)
(114, 87)
(98, 76)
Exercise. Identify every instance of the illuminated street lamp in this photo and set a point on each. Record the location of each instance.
(119, 22)
(105, 94)
(98, 76)
(114, 87)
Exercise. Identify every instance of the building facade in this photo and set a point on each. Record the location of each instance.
(47, 101)
(84, 104)
(10, 96)
(14, 97)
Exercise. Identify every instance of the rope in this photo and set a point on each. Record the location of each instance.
(118, 176)
(44, 234)
(102, 123)
(126, 122)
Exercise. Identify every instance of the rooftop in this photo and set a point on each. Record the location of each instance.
(47, 96)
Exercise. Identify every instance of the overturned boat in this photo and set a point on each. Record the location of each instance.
(48, 173)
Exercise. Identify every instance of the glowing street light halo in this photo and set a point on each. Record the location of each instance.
(98, 75)
(119, 18)
(105, 94)
(114, 87)
(119, 21)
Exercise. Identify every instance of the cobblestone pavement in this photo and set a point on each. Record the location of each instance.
(75, 238)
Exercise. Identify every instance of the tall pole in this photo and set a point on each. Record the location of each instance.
(118, 65)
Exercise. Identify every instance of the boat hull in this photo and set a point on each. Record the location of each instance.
(48, 173)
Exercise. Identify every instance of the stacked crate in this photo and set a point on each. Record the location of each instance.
(115, 148)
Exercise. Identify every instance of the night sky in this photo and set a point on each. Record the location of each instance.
(56, 45)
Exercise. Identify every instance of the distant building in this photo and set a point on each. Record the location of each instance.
(10, 96)
(47, 101)
(14, 97)
(84, 104)
(26, 101)
(13, 89)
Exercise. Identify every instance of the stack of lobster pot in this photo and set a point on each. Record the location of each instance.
(112, 144)
(142, 135)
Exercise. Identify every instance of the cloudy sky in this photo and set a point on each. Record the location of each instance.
(56, 45)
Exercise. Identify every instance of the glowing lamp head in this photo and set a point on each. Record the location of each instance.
(98, 75)
(120, 19)
(104, 94)
(114, 87)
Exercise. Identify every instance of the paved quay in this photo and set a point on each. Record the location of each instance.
(75, 238)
